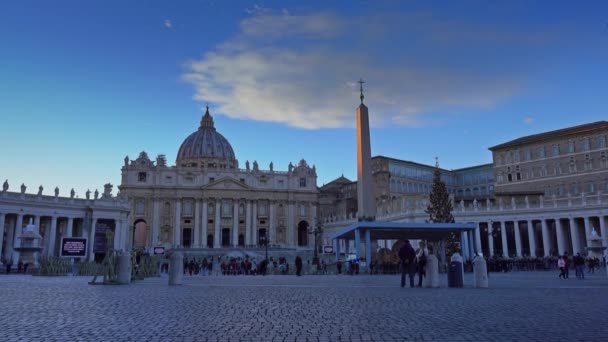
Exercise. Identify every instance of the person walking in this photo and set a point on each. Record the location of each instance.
(561, 263)
(407, 256)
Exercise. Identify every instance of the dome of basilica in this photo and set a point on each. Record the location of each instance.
(206, 147)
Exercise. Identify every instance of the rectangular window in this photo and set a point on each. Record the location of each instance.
(541, 152)
(141, 177)
(601, 142)
(528, 155)
(571, 148)
(518, 176)
(211, 179)
(302, 182)
(555, 150)
(585, 144)
(509, 177)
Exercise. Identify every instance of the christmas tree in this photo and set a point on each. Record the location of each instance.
(440, 207)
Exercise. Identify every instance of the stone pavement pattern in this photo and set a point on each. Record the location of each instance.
(525, 306)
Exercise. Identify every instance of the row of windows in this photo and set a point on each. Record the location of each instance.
(227, 208)
(576, 188)
(514, 174)
(583, 145)
(143, 176)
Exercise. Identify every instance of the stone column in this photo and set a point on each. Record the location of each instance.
(91, 255)
(368, 248)
(603, 230)
(490, 239)
(503, 238)
(546, 241)
(561, 246)
(205, 222)
(587, 232)
(248, 224)
(517, 239)
(576, 245)
(51, 247)
(478, 238)
(531, 239)
(37, 224)
(16, 238)
(271, 224)
(254, 228)
(197, 223)
(2, 220)
(216, 222)
(177, 230)
(291, 225)
(357, 243)
(235, 222)
(155, 221)
(118, 236)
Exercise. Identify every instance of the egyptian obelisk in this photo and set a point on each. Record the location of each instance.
(365, 191)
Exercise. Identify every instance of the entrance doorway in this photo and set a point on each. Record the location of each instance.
(140, 234)
(187, 237)
(303, 233)
(210, 240)
(226, 237)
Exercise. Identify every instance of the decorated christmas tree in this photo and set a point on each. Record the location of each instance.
(440, 207)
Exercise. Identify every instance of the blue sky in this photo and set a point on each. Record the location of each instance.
(84, 84)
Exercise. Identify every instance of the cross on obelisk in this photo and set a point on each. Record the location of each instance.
(361, 81)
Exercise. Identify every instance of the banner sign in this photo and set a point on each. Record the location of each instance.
(328, 249)
(159, 250)
(73, 247)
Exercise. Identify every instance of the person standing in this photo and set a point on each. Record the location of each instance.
(298, 266)
(407, 256)
(561, 263)
(421, 262)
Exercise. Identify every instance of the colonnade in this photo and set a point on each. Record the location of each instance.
(540, 237)
(51, 228)
(259, 217)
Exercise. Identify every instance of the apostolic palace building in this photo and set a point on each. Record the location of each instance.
(542, 195)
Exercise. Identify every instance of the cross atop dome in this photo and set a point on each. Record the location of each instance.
(207, 120)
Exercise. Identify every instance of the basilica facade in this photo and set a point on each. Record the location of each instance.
(207, 201)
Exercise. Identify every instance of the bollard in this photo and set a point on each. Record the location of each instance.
(176, 268)
(431, 279)
(123, 268)
(480, 272)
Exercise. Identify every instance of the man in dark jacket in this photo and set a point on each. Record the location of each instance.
(407, 255)
(298, 266)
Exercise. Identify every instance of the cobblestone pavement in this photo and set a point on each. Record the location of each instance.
(524, 306)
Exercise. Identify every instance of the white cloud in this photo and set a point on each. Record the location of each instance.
(301, 70)
(167, 24)
(528, 120)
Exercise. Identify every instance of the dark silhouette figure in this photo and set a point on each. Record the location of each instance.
(298, 266)
(407, 255)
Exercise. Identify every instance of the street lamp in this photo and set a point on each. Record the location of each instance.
(316, 230)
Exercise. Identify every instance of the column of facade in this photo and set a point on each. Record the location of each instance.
(559, 231)
(517, 239)
(490, 238)
(368, 248)
(503, 238)
(478, 237)
(576, 246)
(91, 256)
(531, 239)
(248, 224)
(124, 229)
(155, 221)
(587, 232)
(36, 224)
(205, 222)
(69, 228)
(51, 242)
(197, 223)
(254, 227)
(118, 237)
(10, 233)
(235, 222)
(603, 231)
(291, 225)
(216, 222)
(2, 221)
(271, 224)
(177, 230)
(546, 241)
(357, 243)
(16, 238)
